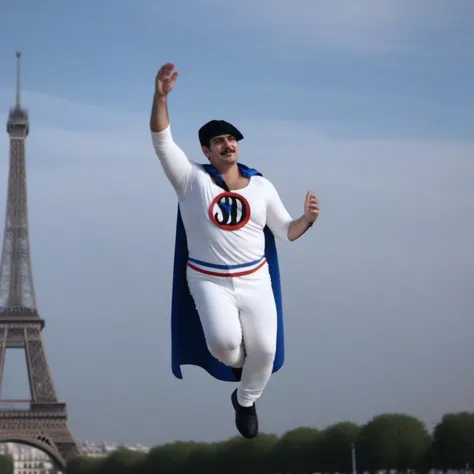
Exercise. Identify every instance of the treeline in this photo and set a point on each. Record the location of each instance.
(6, 464)
(390, 441)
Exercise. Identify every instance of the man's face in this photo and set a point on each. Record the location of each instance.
(222, 149)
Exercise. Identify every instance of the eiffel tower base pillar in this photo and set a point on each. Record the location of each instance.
(42, 427)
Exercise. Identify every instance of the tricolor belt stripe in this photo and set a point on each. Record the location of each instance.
(213, 269)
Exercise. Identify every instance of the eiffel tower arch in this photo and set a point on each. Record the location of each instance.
(45, 446)
(44, 425)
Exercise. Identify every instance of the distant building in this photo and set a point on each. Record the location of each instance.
(28, 460)
(93, 449)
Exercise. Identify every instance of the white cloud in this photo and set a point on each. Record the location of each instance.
(393, 239)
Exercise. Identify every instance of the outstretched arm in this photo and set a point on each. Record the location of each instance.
(298, 227)
(311, 211)
(280, 222)
(159, 120)
(178, 169)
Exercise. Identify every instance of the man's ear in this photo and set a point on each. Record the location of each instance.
(206, 151)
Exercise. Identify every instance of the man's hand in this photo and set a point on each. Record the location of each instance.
(165, 80)
(311, 207)
(311, 212)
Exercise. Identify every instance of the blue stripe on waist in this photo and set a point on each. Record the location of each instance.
(225, 267)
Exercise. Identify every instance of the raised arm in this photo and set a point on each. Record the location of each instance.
(178, 169)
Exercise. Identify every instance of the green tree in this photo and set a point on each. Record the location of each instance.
(169, 458)
(242, 456)
(123, 461)
(453, 441)
(335, 447)
(6, 464)
(296, 452)
(392, 441)
(202, 459)
(85, 465)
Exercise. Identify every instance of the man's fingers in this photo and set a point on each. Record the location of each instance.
(311, 198)
(167, 67)
(311, 202)
(165, 71)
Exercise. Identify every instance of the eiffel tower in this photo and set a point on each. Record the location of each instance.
(44, 425)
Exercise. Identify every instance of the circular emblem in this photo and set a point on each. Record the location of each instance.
(229, 211)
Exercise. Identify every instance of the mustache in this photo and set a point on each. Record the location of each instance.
(228, 150)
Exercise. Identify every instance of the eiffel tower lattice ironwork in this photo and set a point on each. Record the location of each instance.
(44, 425)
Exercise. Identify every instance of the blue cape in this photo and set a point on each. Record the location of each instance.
(188, 344)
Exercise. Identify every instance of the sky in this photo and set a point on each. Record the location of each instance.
(370, 104)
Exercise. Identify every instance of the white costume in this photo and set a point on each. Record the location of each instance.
(227, 273)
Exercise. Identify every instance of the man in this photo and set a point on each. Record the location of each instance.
(228, 214)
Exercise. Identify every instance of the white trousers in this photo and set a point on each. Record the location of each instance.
(239, 319)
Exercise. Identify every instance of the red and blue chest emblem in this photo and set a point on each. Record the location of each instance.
(229, 211)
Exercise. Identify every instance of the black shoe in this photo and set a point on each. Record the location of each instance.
(246, 419)
(237, 374)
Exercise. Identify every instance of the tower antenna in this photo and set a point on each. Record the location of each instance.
(18, 79)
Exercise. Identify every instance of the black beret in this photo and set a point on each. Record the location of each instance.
(215, 128)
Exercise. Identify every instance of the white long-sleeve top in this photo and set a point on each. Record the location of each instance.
(224, 230)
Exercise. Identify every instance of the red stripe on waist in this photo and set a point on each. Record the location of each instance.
(227, 275)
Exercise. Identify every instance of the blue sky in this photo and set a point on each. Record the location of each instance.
(368, 103)
(374, 68)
